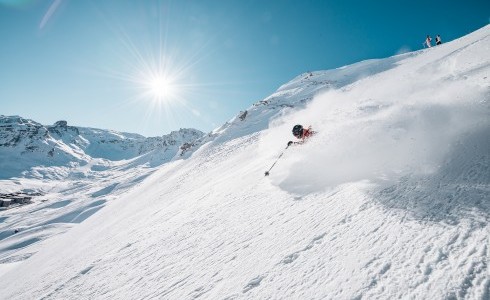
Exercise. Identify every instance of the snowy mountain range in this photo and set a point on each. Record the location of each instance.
(25, 144)
(389, 199)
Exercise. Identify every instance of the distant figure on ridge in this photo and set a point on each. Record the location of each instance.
(427, 41)
(438, 40)
(301, 133)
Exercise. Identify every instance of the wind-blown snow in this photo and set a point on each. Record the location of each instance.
(390, 199)
(380, 129)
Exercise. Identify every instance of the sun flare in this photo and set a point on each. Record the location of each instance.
(162, 88)
(159, 77)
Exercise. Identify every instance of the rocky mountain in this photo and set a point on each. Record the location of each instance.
(25, 144)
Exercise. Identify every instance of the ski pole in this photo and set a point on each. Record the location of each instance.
(267, 172)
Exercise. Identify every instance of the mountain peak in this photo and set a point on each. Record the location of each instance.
(61, 124)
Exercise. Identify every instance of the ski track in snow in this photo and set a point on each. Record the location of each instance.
(410, 220)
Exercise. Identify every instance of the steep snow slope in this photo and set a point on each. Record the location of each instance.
(389, 200)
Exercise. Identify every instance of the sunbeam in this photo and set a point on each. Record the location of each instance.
(161, 73)
(155, 76)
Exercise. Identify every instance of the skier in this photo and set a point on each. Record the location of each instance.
(301, 133)
(427, 41)
(438, 40)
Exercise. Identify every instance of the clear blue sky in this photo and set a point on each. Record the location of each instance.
(98, 63)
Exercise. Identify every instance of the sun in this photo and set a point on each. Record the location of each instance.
(162, 88)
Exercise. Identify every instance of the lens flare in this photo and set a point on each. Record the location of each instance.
(17, 3)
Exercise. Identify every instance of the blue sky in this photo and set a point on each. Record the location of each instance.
(150, 67)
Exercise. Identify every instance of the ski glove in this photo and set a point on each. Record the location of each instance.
(290, 143)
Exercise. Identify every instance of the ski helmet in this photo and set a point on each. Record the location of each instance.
(298, 131)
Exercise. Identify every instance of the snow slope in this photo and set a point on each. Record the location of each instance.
(390, 199)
